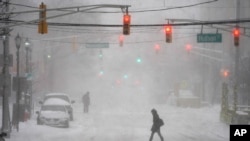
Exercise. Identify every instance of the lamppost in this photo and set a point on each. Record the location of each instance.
(18, 41)
(27, 47)
(28, 78)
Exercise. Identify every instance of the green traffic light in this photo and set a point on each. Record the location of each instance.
(125, 76)
(138, 60)
(100, 55)
(101, 72)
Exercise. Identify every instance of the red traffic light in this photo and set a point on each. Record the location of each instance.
(236, 34)
(157, 47)
(168, 32)
(188, 47)
(225, 73)
(121, 38)
(126, 24)
(168, 29)
(126, 19)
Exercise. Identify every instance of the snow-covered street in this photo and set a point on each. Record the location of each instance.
(113, 70)
(123, 123)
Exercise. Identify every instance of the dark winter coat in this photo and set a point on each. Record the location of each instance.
(157, 122)
(86, 99)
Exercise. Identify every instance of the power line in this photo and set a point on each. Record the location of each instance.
(219, 22)
(22, 5)
(159, 9)
(132, 42)
(131, 11)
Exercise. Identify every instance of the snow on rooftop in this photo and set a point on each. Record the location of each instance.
(56, 94)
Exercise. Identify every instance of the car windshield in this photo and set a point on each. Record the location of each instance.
(63, 97)
(53, 108)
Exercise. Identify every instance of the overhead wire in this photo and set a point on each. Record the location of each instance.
(178, 7)
(159, 9)
(131, 42)
(22, 5)
(106, 31)
(132, 11)
(57, 25)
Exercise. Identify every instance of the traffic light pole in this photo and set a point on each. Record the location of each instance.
(6, 84)
(237, 57)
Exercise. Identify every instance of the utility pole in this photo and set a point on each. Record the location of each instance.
(6, 75)
(237, 57)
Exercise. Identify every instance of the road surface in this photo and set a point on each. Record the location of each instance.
(127, 123)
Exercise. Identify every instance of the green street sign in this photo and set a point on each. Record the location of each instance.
(209, 38)
(97, 45)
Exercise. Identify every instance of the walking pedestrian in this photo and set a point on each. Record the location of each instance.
(157, 123)
(86, 102)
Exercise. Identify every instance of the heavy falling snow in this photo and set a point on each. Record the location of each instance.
(188, 59)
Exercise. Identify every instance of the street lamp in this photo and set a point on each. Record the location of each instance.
(28, 77)
(27, 47)
(18, 41)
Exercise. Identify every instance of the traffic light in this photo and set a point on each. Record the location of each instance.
(125, 76)
(168, 32)
(121, 39)
(188, 48)
(126, 24)
(138, 59)
(236, 33)
(42, 25)
(157, 48)
(225, 73)
(100, 55)
(101, 72)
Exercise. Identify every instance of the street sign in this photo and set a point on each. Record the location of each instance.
(29, 76)
(97, 45)
(209, 38)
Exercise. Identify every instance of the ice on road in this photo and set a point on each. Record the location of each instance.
(124, 123)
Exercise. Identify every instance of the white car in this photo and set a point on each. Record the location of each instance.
(64, 97)
(53, 112)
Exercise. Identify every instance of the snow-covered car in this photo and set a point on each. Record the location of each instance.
(186, 98)
(53, 112)
(64, 97)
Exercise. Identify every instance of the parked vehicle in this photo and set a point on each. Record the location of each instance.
(2, 136)
(64, 97)
(53, 112)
